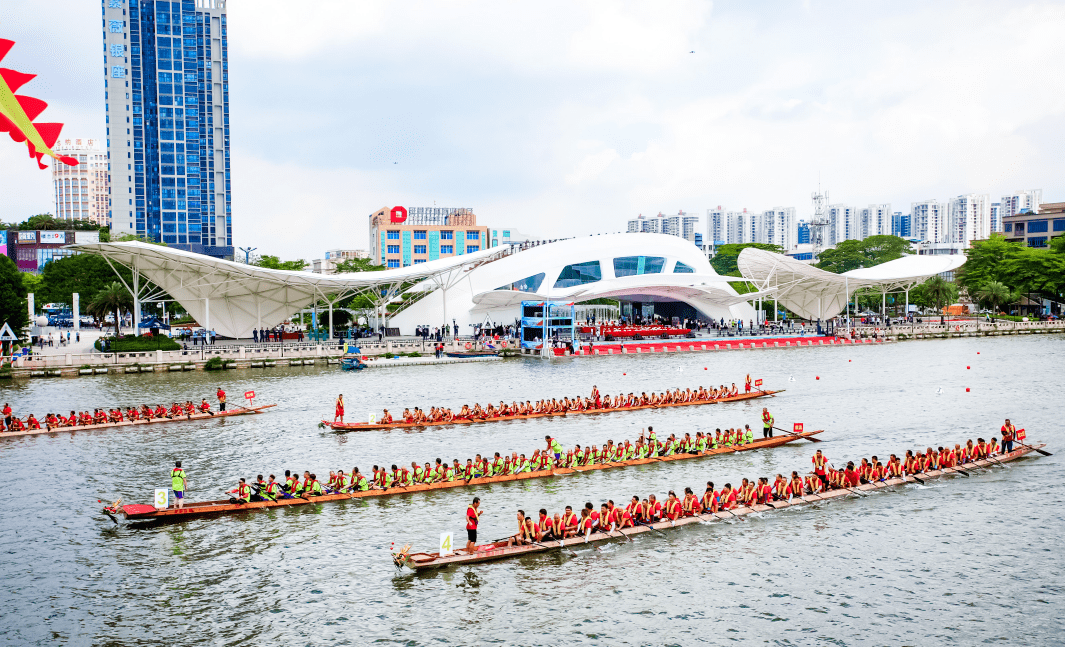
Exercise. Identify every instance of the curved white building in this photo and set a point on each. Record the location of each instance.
(630, 267)
(658, 271)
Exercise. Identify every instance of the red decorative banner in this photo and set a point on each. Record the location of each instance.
(797, 427)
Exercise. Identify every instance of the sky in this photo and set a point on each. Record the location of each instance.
(568, 118)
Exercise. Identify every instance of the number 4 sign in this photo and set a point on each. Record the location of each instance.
(446, 544)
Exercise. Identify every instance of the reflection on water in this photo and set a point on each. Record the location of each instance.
(963, 561)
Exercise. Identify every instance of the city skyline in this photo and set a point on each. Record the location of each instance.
(587, 115)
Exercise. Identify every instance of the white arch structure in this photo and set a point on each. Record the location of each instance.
(236, 298)
(813, 293)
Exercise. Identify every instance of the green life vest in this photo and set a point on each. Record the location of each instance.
(316, 487)
(271, 491)
(748, 436)
(177, 479)
(525, 467)
(361, 484)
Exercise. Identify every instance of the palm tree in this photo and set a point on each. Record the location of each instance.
(940, 291)
(994, 293)
(114, 298)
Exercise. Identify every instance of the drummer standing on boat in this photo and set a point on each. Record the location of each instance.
(473, 514)
(767, 422)
(221, 399)
(178, 483)
(339, 415)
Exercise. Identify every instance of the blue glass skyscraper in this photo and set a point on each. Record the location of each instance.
(166, 87)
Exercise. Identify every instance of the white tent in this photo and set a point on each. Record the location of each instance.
(813, 293)
(234, 298)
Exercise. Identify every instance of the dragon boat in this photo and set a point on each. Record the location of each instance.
(419, 561)
(149, 513)
(363, 426)
(241, 411)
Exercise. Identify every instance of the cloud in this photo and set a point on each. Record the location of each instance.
(567, 118)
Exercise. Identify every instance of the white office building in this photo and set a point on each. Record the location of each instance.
(929, 221)
(970, 219)
(81, 192)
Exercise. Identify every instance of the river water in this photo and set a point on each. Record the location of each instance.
(963, 561)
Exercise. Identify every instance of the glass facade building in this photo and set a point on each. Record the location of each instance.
(166, 86)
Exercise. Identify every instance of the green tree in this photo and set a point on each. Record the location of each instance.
(14, 309)
(49, 222)
(275, 263)
(853, 254)
(994, 294)
(724, 261)
(985, 262)
(358, 265)
(936, 292)
(341, 318)
(113, 299)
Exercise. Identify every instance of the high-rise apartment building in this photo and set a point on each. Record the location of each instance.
(930, 221)
(970, 219)
(996, 217)
(166, 90)
(843, 224)
(874, 220)
(1019, 201)
(803, 237)
(81, 191)
(900, 225)
(683, 225)
(781, 227)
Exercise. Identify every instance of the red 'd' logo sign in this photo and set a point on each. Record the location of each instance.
(249, 395)
(797, 427)
(399, 214)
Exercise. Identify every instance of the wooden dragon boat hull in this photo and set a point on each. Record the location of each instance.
(137, 423)
(363, 426)
(500, 550)
(142, 512)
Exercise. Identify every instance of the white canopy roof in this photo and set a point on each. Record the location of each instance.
(709, 288)
(813, 293)
(236, 298)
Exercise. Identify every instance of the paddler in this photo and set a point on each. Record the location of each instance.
(290, 483)
(272, 491)
(312, 487)
(747, 384)
(473, 516)
(522, 536)
(32, 422)
(258, 489)
(243, 492)
(221, 395)
(204, 407)
(178, 483)
(767, 423)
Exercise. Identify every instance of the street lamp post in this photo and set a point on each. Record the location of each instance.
(247, 253)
